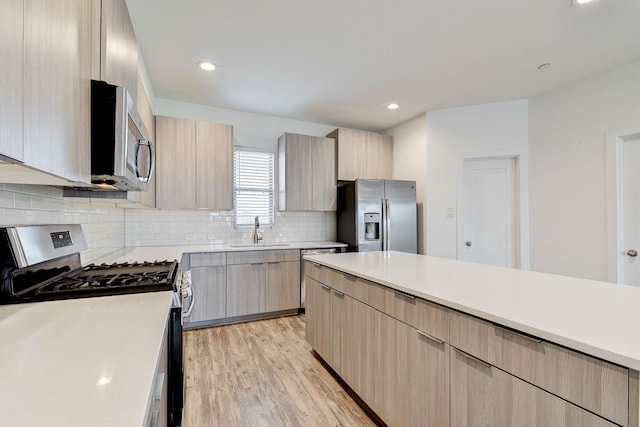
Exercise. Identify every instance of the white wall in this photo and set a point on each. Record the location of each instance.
(568, 170)
(495, 129)
(252, 130)
(409, 163)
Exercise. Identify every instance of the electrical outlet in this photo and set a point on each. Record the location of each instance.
(450, 213)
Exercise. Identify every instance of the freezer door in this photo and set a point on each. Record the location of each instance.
(369, 196)
(401, 221)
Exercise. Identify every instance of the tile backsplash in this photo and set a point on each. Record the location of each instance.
(103, 223)
(149, 227)
(108, 227)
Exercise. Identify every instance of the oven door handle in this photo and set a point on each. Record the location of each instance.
(187, 313)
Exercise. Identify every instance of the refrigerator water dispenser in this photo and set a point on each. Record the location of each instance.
(371, 226)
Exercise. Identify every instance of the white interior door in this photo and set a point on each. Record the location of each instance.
(487, 215)
(630, 261)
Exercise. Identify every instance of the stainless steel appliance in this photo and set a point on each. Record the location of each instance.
(378, 215)
(121, 153)
(303, 274)
(42, 263)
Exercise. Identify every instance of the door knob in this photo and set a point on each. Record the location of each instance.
(632, 253)
(469, 244)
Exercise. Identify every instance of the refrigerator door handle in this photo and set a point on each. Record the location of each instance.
(384, 224)
(388, 226)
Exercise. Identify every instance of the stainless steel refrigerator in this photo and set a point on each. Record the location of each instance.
(378, 215)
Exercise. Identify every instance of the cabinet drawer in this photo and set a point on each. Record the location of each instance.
(207, 259)
(594, 384)
(342, 282)
(254, 257)
(470, 334)
(315, 271)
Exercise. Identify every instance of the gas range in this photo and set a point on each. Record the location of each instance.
(42, 263)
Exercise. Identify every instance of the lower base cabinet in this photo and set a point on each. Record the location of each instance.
(245, 289)
(483, 395)
(210, 286)
(435, 367)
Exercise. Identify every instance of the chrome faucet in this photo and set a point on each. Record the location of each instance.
(256, 231)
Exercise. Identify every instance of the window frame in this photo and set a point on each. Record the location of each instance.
(264, 224)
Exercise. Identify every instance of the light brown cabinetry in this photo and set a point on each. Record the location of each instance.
(11, 85)
(282, 285)
(156, 414)
(362, 155)
(209, 283)
(57, 87)
(415, 362)
(117, 46)
(483, 395)
(245, 289)
(306, 179)
(194, 164)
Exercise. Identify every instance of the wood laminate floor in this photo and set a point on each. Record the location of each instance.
(261, 373)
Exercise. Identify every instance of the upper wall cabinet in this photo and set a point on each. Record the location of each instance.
(306, 179)
(194, 166)
(362, 155)
(57, 87)
(12, 56)
(117, 45)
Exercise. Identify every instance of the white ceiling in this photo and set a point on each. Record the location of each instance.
(339, 62)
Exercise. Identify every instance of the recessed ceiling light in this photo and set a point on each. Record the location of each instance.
(544, 66)
(581, 1)
(393, 106)
(207, 65)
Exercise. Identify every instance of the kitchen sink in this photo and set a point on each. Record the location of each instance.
(259, 245)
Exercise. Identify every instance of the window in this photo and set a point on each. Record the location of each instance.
(253, 187)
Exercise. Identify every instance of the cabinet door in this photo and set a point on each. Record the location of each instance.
(245, 289)
(351, 146)
(11, 55)
(379, 156)
(427, 362)
(210, 292)
(119, 48)
(296, 174)
(214, 166)
(482, 395)
(339, 346)
(175, 163)
(283, 286)
(318, 315)
(57, 41)
(360, 349)
(325, 192)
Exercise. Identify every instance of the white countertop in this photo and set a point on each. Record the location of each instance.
(153, 253)
(54, 353)
(598, 318)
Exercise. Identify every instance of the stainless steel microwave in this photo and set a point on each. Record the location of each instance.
(122, 157)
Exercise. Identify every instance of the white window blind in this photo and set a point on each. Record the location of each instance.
(253, 187)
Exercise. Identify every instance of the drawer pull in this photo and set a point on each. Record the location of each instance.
(157, 395)
(520, 334)
(475, 359)
(407, 296)
(340, 294)
(325, 286)
(315, 264)
(429, 337)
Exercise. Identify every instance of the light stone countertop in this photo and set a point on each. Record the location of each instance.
(597, 318)
(54, 353)
(158, 253)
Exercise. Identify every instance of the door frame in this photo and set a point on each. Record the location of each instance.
(521, 188)
(615, 212)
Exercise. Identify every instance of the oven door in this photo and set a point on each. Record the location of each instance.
(175, 369)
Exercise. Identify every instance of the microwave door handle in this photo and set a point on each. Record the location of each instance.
(145, 143)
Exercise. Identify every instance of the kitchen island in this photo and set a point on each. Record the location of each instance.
(81, 362)
(510, 341)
